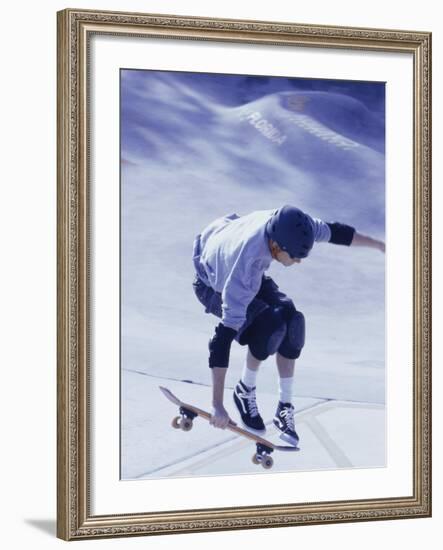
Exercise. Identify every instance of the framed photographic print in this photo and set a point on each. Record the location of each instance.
(244, 293)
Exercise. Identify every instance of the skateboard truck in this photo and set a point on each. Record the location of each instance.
(184, 421)
(262, 456)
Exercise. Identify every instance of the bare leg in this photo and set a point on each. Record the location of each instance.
(286, 377)
(285, 366)
(250, 370)
(251, 362)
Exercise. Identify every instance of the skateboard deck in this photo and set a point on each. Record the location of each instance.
(189, 412)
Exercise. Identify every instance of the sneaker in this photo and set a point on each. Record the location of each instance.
(284, 420)
(245, 399)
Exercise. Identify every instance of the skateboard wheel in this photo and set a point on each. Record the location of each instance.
(255, 459)
(267, 462)
(176, 422)
(186, 424)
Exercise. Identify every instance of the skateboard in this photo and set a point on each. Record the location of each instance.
(264, 448)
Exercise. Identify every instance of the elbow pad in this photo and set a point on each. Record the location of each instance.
(220, 346)
(341, 233)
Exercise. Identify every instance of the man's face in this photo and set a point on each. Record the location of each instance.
(283, 257)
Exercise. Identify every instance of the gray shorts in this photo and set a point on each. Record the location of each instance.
(268, 295)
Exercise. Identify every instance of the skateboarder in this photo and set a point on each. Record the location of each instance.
(231, 256)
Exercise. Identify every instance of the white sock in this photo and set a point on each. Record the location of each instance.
(249, 376)
(285, 388)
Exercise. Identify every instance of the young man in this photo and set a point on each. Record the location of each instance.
(230, 257)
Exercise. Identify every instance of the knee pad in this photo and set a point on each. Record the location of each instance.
(288, 308)
(294, 339)
(267, 333)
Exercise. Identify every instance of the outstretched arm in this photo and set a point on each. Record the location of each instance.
(341, 233)
(364, 240)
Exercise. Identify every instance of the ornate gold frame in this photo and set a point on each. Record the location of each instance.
(74, 30)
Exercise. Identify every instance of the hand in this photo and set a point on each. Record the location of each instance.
(220, 417)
